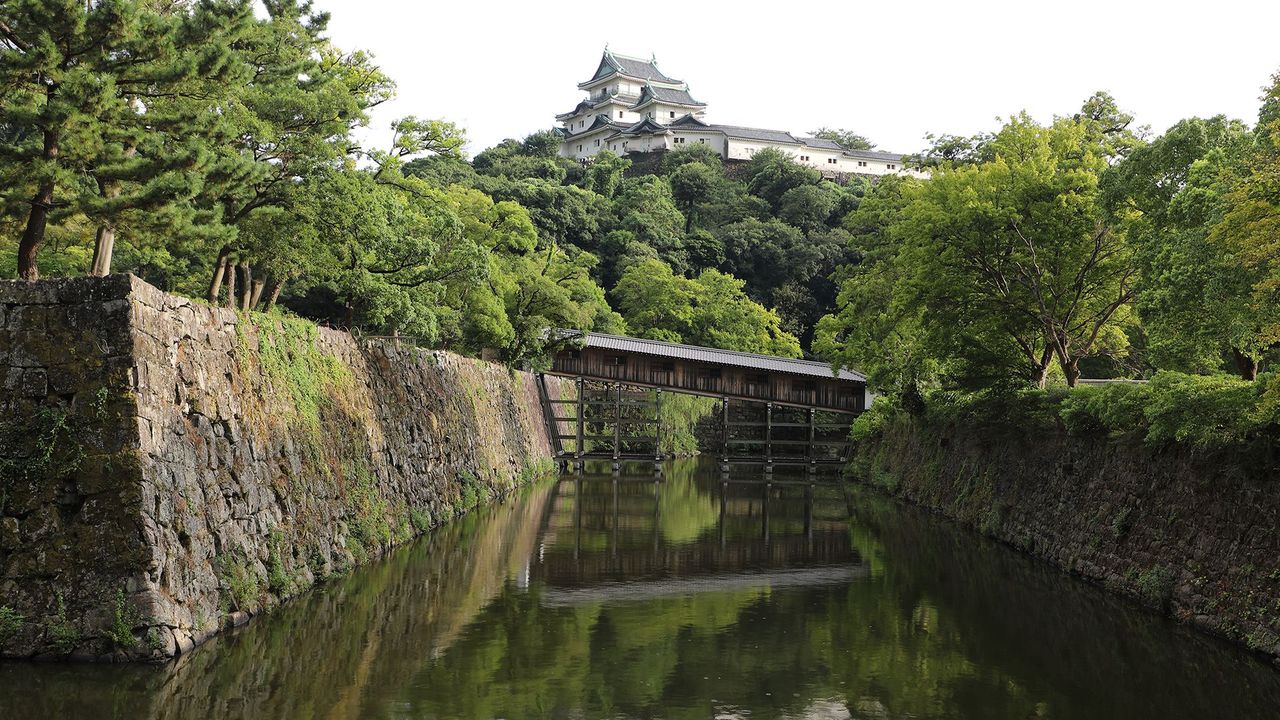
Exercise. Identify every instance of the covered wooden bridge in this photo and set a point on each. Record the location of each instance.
(773, 410)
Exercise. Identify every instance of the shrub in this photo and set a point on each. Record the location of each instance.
(10, 623)
(1117, 409)
(62, 633)
(124, 617)
(1201, 410)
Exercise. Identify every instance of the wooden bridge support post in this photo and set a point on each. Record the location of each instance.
(657, 428)
(578, 450)
(724, 433)
(768, 439)
(812, 460)
(617, 425)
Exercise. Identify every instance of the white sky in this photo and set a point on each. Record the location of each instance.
(892, 71)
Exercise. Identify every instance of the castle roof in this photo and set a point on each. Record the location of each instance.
(614, 64)
(673, 96)
(749, 133)
(590, 103)
(647, 126)
(601, 121)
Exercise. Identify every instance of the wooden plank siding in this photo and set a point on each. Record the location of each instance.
(711, 379)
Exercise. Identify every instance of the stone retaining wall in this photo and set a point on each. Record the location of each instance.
(170, 468)
(1193, 535)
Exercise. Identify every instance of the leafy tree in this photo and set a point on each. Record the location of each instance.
(646, 208)
(604, 175)
(1012, 259)
(1250, 230)
(877, 328)
(293, 120)
(809, 207)
(700, 153)
(771, 173)
(692, 184)
(1192, 297)
(847, 139)
(84, 83)
(710, 310)
(563, 214)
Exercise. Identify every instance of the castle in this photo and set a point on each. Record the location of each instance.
(633, 107)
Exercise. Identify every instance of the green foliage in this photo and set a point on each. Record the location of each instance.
(369, 513)
(679, 417)
(11, 622)
(847, 139)
(61, 633)
(1118, 409)
(278, 580)
(473, 491)
(1155, 586)
(1200, 411)
(710, 310)
(420, 518)
(238, 581)
(123, 619)
(292, 363)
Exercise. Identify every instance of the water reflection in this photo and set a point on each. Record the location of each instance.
(595, 596)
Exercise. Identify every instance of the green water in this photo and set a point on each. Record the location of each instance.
(687, 598)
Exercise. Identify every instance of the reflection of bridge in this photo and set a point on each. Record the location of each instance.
(603, 533)
(773, 411)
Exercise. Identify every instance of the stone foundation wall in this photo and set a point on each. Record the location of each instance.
(171, 468)
(1192, 535)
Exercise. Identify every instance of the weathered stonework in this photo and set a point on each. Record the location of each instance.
(170, 468)
(1193, 535)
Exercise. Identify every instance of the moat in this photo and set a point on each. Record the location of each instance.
(684, 596)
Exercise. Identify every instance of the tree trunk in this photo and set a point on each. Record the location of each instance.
(231, 285)
(1071, 369)
(274, 296)
(246, 285)
(33, 235)
(1246, 366)
(41, 203)
(103, 246)
(105, 242)
(219, 272)
(256, 296)
(1040, 372)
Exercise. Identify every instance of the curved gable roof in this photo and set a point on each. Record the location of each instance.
(612, 63)
(674, 96)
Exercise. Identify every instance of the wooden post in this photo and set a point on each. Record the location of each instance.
(724, 432)
(768, 438)
(617, 424)
(578, 443)
(812, 413)
(657, 427)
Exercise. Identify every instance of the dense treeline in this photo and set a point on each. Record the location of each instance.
(212, 152)
(1039, 254)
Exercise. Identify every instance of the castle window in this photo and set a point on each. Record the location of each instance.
(891, 166)
(702, 140)
(673, 113)
(804, 158)
(619, 113)
(579, 148)
(832, 161)
(597, 142)
(678, 140)
(862, 163)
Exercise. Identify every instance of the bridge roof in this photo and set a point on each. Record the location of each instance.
(767, 363)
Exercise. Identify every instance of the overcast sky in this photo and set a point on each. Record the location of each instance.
(890, 70)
